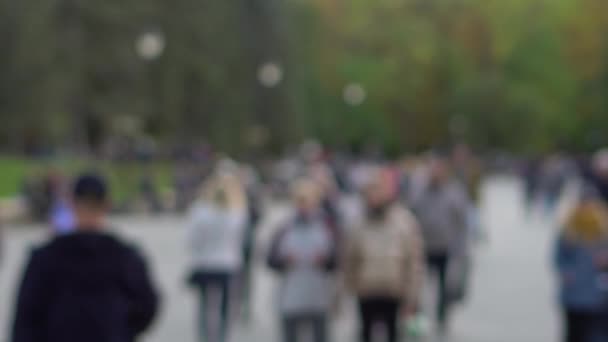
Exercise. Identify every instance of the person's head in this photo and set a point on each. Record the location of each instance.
(90, 201)
(306, 195)
(600, 164)
(224, 190)
(589, 219)
(439, 169)
(379, 191)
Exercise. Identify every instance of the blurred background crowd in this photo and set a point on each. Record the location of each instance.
(374, 170)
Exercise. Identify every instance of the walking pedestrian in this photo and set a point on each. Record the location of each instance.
(215, 239)
(86, 286)
(304, 253)
(581, 259)
(442, 208)
(384, 264)
(255, 213)
(149, 191)
(61, 214)
(469, 172)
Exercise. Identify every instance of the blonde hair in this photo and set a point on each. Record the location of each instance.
(224, 190)
(307, 189)
(588, 222)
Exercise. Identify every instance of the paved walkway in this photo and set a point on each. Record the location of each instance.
(512, 299)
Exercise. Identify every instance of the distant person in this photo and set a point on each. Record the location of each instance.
(62, 216)
(554, 176)
(599, 173)
(469, 171)
(63, 220)
(215, 242)
(255, 213)
(304, 253)
(531, 176)
(581, 259)
(323, 175)
(442, 208)
(1, 243)
(384, 262)
(149, 192)
(86, 286)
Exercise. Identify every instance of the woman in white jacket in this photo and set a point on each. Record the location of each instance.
(215, 239)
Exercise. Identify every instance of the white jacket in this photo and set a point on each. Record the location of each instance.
(215, 237)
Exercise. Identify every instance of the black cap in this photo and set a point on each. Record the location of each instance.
(90, 188)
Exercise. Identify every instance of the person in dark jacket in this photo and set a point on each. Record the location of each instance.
(85, 286)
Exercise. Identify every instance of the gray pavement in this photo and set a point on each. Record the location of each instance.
(512, 297)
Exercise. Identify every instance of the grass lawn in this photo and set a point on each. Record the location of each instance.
(123, 177)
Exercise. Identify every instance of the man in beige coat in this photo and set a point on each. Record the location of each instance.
(384, 265)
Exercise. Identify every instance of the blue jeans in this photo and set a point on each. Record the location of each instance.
(222, 283)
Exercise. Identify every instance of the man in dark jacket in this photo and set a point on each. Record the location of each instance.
(85, 286)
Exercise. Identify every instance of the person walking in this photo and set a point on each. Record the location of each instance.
(215, 239)
(86, 286)
(581, 261)
(255, 212)
(442, 208)
(468, 170)
(304, 253)
(384, 265)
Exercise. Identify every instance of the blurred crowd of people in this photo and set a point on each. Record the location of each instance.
(364, 228)
(382, 232)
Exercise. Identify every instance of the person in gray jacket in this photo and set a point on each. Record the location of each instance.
(442, 207)
(304, 254)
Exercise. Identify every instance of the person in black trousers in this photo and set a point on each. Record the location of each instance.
(383, 264)
(87, 285)
(442, 207)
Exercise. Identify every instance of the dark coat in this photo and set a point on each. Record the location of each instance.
(84, 287)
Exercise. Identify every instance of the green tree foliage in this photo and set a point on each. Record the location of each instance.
(526, 75)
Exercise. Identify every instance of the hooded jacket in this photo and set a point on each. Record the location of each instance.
(86, 286)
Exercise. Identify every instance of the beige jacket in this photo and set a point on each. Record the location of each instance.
(385, 258)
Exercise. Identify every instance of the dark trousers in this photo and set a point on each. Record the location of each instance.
(209, 283)
(246, 280)
(293, 325)
(438, 263)
(384, 311)
(582, 327)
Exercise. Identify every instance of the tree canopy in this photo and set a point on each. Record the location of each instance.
(523, 75)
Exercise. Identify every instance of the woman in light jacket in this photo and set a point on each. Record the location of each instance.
(215, 239)
(304, 254)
